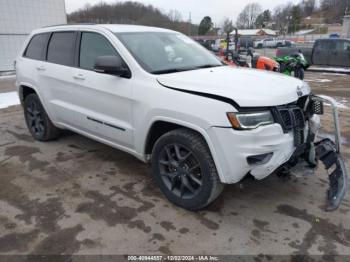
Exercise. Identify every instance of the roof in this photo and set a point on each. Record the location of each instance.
(115, 28)
(255, 32)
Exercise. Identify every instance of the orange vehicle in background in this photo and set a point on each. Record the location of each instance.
(248, 58)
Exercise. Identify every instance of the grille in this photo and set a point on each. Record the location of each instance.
(292, 118)
(316, 107)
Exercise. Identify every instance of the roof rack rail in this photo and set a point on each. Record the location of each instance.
(69, 24)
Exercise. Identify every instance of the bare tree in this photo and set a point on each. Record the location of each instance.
(131, 13)
(308, 7)
(227, 25)
(247, 18)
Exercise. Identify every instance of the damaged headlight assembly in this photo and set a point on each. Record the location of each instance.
(250, 120)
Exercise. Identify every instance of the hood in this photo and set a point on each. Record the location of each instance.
(246, 87)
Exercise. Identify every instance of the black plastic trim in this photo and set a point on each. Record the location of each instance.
(106, 124)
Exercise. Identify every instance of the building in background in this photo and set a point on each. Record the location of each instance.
(18, 18)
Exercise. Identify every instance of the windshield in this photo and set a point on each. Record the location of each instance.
(161, 53)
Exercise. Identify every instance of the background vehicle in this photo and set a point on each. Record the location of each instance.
(270, 43)
(245, 42)
(249, 58)
(327, 52)
(293, 65)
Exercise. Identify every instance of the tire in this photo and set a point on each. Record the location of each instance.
(37, 120)
(260, 46)
(192, 164)
(299, 73)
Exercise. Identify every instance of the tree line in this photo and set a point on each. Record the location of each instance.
(286, 18)
(132, 13)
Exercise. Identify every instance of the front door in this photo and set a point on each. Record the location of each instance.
(103, 102)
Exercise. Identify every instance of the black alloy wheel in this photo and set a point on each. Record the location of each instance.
(180, 170)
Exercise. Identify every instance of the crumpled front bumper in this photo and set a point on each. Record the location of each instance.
(233, 148)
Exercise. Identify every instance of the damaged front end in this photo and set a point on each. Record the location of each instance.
(302, 118)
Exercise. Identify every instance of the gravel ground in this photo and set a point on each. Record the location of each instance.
(77, 196)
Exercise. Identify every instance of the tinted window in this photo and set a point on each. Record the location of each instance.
(326, 45)
(343, 45)
(93, 45)
(61, 48)
(37, 47)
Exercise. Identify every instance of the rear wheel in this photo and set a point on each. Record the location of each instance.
(37, 120)
(184, 169)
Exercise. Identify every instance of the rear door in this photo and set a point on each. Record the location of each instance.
(341, 54)
(55, 78)
(323, 51)
(31, 65)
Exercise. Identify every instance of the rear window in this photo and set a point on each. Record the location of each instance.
(61, 48)
(37, 47)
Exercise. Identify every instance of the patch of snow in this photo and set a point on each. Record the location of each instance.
(341, 103)
(334, 74)
(9, 99)
(8, 77)
(331, 69)
(319, 80)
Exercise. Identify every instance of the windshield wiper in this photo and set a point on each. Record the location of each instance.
(168, 71)
(176, 70)
(206, 66)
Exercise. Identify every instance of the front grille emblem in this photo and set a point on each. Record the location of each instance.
(299, 91)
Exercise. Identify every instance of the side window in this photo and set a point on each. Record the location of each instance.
(37, 47)
(93, 45)
(325, 45)
(343, 45)
(61, 48)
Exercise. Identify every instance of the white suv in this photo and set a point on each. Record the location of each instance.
(163, 98)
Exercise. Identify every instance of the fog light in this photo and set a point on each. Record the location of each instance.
(259, 159)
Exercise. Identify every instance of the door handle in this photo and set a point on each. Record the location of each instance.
(79, 77)
(41, 68)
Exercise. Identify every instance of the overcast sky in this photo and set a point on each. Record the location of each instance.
(217, 9)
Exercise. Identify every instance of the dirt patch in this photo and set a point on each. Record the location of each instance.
(17, 241)
(61, 242)
(319, 227)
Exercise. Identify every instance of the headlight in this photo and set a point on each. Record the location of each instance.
(251, 120)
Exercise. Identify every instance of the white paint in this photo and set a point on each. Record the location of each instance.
(9, 99)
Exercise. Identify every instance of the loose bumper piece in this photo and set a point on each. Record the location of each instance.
(329, 153)
(338, 178)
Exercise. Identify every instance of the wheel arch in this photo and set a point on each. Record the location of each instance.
(160, 127)
(26, 89)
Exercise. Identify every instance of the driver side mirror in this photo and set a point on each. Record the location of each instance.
(112, 65)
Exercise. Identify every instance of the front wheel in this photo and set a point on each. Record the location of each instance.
(184, 169)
